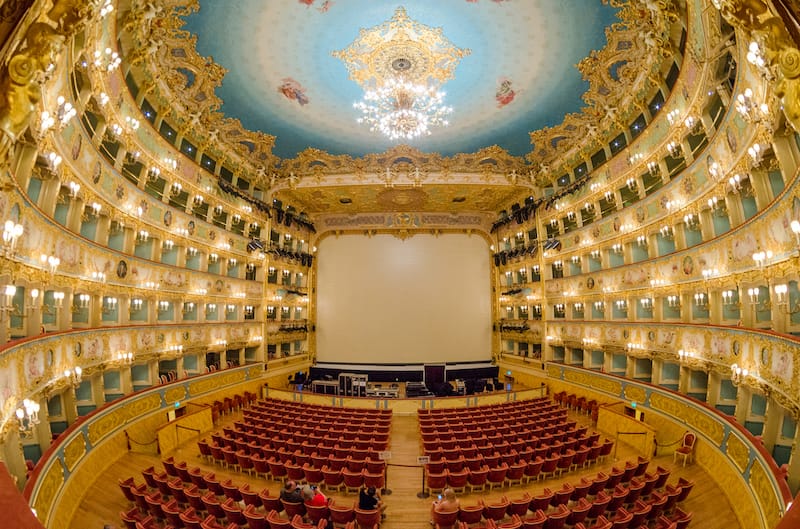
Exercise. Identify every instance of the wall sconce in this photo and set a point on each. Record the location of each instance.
(188, 307)
(50, 262)
(738, 374)
(171, 163)
(595, 254)
(11, 234)
(218, 210)
(212, 258)
(558, 308)
(633, 159)
(701, 301)
(610, 197)
(631, 183)
(198, 200)
(673, 301)
(752, 294)
(576, 259)
(674, 149)
(578, 306)
(756, 152)
(191, 251)
(169, 244)
(81, 302)
(795, 226)
(762, 257)
(571, 215)
(232, 262)
(27, 417)
(535, 269)
(736, 185)
(109, 304)
(58, 302)
(684, 356)
(154, 173)
(782, 299)
(728, 297)
(99, 276)
(230, 308)
(211, 308)
(50, 162)
(588, 207)
(74, 376)
(598, 306)
(641, 240)
(34, 304)
(107, 60)
(616, 248)
(554, 223)
(142, 236)
(693, 124)
(691, 221)
(151, 285)
(8, 298)
(647, 304)
(163, 306)
(249, 311)
(622, 305)
(708, 273)
(749, 110)
(717, 206)
(780, 293)
(558, 265)
(124, 358)
(653, 168)
(632, 346)
(236, 218)
(136, 305)
(673, 115)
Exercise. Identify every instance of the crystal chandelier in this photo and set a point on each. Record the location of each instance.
(403, 110)
(401, 64)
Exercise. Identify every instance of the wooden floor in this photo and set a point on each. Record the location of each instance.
(104, 500)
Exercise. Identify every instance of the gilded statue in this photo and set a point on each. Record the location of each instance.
(20, 81)
(780, 51)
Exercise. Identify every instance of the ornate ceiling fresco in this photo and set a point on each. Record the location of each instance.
(269, 86)
(518, 72)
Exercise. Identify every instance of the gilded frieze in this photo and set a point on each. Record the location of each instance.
(635, 393)
(765, 491)
(47, 490)
(613, 387)
(738, 452)
(74, 451)
(705, 423)
(553, 371)
(117, 417)
(174, 394)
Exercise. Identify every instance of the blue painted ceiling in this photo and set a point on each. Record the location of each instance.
(267, 44)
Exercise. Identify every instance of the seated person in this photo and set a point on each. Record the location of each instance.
(447, 502)
(369, 499)
(313, 496)
(291, 492)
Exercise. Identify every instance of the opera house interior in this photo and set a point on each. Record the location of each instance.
(543, 254)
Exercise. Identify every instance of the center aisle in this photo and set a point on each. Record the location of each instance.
(404, 508)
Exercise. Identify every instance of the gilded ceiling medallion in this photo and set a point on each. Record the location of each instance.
(402, 199)
(401, 47)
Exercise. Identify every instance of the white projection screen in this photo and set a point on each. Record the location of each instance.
(383, 300)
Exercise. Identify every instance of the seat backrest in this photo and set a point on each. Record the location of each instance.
(689, 440)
